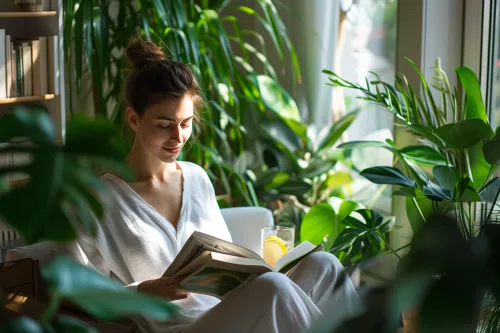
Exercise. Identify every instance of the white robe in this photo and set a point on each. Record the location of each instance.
(135, 243)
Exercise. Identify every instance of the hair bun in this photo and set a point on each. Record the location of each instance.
(141, 52)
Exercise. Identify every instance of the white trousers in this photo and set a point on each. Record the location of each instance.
(276, 303)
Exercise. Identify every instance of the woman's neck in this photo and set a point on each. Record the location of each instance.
(148, 167)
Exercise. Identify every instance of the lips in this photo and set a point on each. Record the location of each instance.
(175, 149)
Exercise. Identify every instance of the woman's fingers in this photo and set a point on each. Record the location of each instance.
(179, 294)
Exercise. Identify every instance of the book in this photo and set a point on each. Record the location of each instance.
(43, 69)
(39, 59)
(53, 64)
(19, 71)
(215, 267)
(45, 6)
(14, 70)
(8, 66)
(3, 72)
(27, 69)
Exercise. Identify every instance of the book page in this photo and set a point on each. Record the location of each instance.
(198, 243)
(226, 247)
(188, 253)
(295, 255)
(194, 264)
(222, 274)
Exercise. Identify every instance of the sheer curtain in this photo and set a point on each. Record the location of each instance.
(350, 37)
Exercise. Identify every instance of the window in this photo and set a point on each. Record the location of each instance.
(369, 45)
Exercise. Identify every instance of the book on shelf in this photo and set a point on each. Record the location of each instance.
(27, 69)
(8, 67)
(212, 266)
(31, 68)
(13, 71)
(45, 6)
(53, 64)
(3, 72)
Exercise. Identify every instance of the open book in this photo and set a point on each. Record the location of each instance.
(216, 267)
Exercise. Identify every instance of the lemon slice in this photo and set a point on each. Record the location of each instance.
(273, 249)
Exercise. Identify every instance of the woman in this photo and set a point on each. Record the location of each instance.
(150, 219)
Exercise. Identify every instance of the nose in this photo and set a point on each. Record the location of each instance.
(177, 134)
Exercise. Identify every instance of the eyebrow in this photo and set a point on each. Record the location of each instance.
(172, 119)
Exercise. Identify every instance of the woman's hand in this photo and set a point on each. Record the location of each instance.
(167, 287)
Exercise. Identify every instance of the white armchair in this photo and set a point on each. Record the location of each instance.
(244, 224)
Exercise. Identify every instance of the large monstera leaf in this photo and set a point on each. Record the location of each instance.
(62, 192)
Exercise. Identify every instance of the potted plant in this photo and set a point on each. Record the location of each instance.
(454, 168)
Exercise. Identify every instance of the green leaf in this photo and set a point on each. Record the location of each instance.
(414, 213)
(318, 166)
(21, 325)
(336, 131)
(100, 296)
(277, 99)
(318, 223)
(474, 107)
(405, 192)
(491, 150)
(339, 179)
(282, 134)
(279, 179)
(346, 208)
(161, 11)
(297, 187)
(65, 324)
(463, 134)
(25, 122)
(366, 144)
(88, 35)
(345, 240)
(387, 175)
(424, 155)
(388, 224)
(478, 166)
(426, 133)
(489, 192)
(78, 50)
(446, 177)
(436, 192)
(467, 191)
(371, 217)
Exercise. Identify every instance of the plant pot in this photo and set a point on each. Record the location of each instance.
(410, 320)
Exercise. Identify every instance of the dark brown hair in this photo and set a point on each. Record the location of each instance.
(154, 77)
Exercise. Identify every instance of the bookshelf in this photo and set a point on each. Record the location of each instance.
(28, 14)
(27, 99)
(28, 26)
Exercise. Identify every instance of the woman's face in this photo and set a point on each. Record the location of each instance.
(164, 128)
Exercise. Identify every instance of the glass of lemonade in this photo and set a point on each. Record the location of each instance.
(276, 241)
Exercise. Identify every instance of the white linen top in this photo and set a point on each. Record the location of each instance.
(136, 243)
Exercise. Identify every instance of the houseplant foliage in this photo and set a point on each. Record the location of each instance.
(64, 197)
(455, 167)
(444, 278)
(278, 163)
(207, 35)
